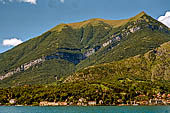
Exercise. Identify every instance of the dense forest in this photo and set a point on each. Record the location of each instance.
(110, 92)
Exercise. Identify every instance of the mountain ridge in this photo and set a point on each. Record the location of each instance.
(114, 23)
(67, 50)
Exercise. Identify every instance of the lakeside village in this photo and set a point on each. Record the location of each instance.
(159, 99)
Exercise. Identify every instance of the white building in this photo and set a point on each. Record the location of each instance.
(12, 101)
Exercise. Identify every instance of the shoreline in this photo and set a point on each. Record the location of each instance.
(77, 105)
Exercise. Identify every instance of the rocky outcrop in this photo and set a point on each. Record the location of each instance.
(115, 37)
(22, 68)
(132, 28)
(71, 57)
(90, 51)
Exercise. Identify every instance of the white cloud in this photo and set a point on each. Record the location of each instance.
(11, 42)
(62, 1)
(165, 19)
(27, 1)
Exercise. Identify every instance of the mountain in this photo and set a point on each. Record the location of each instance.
(151, 66)
(68, 48)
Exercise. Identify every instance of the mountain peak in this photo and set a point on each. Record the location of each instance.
(142, 13)
(138, 16)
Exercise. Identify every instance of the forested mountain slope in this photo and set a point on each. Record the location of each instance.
(68, 48)
(151, 66)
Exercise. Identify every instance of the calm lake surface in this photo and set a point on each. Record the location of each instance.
(96, 109)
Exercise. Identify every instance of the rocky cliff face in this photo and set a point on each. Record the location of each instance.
(22, 68)
(71, 57)
(125, 31)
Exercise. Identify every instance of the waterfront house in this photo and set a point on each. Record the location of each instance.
(142, 102)
(152, 101)
(46, 103)
(12, 101)
(156, 101)
(43, 103)
(91, 103)
(81, 102)
(62, 103)
(52, 104)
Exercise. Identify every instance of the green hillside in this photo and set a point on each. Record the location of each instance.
(151, 66)
(68, 48)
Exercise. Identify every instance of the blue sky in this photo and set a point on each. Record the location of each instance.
(21, 20)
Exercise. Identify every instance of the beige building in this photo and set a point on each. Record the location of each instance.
(46, 103)
(91, 103)
(62, 103)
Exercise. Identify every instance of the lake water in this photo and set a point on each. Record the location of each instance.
(96, 109)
